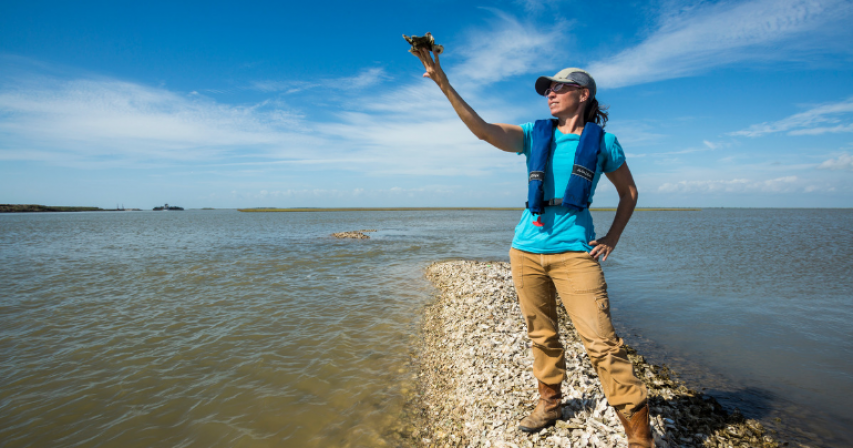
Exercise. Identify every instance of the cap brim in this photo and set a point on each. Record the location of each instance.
(544, 83)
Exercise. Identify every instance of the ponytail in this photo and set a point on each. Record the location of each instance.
(596, 113)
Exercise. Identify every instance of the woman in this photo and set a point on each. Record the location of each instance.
(558, 248)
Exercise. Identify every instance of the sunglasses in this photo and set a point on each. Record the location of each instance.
(559, 87)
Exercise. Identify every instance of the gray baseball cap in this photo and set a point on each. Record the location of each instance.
(570, 76)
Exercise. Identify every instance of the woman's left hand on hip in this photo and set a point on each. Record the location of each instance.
(602, 247)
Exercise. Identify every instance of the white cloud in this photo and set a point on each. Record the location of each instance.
(269, 86)
(352, 193)
(843, 162)
(633, 133)
(535, 6)
(363, 79)
(508, 49)
(823, 130)
(697, 39)
(360, 80)
(668, 153)
(778, 185)
(806, 123)
(401, 139)
(92, 120)
(819, 189)
(97, 122)
(682, 151)
(715, 145)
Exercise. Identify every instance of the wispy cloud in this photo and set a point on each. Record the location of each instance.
(671, 153)
(824, 130)
(269, 86)
(362, 79)
(97, 120)
(697, 39)
(715, 145)
(536, 6)
(422, 139)
(636, 132)
(509, 48)
(325, 193)
(810, 122)
(681, 151)
(104, 122)
(392, 137)
(842, 162)
(777, 185)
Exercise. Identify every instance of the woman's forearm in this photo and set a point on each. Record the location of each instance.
(627, 204)
(468, 116)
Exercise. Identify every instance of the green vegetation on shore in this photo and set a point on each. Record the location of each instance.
(34, 208)
(415, 209)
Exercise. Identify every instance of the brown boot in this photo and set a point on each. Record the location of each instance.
(638, 430)
(548, 410)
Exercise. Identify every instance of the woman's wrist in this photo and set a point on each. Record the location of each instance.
(444, 84)
(613, 236)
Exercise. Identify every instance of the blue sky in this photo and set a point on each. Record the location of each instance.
(227, 104)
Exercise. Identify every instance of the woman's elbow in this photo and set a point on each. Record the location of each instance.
(630, 194)
(484, 135)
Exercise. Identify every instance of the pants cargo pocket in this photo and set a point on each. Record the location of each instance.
(605, 324)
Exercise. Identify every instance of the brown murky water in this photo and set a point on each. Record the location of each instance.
(218, 328)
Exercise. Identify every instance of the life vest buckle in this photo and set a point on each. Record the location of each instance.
(538, 222)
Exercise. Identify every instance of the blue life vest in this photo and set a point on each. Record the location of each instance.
(577, 192)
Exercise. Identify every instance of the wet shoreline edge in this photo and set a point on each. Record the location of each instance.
(475, 382)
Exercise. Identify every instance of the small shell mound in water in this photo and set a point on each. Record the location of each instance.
(427, 41)
(357, 234)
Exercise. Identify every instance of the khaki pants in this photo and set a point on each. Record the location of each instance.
(580, 282)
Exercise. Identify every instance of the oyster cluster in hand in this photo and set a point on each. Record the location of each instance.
(427, 41)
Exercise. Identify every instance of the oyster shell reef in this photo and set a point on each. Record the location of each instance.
(476, 380)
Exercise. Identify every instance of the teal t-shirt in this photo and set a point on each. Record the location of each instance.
(564, 230)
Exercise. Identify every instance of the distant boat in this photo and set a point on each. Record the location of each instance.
(166, 207)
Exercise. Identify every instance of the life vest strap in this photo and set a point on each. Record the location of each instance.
(579, 187)
(549, 202)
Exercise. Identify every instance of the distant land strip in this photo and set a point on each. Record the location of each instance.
(416, 209)
(33, 208)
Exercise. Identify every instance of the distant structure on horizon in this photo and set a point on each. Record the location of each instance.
(166, 207)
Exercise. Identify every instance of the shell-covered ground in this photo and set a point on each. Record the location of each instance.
(476, 382)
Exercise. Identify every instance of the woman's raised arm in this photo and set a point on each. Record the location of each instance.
(506, 137)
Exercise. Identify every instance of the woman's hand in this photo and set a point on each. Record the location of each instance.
(602, 247)
(433, 68)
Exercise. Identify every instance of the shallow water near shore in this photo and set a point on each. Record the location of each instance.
(220, 328)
